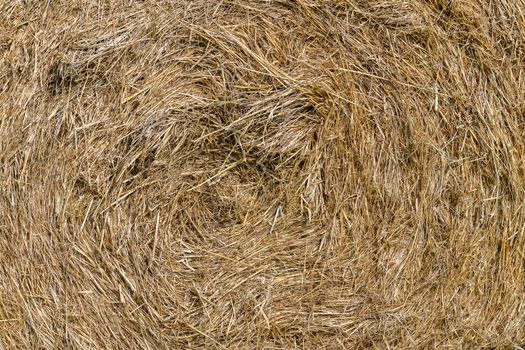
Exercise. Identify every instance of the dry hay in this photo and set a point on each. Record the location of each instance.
(262, 174)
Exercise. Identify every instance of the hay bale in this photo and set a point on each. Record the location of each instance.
(234, 174)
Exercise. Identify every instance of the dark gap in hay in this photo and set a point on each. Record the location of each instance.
(63, 77)
(59, 79)
(84, 187)
(423, 38)
(142, 164)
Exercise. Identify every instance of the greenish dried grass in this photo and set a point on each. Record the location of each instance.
(248, 174)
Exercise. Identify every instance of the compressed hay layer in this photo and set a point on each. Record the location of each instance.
(249, 174)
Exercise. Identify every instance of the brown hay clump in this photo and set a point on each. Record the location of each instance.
(249, 174)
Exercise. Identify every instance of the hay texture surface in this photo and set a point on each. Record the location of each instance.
(249, 174)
